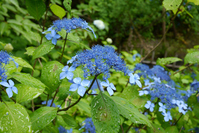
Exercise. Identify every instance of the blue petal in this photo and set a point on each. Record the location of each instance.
(62, 75)
(71, 69)
(4, 83)
(9, 92)
(48, 36)
(138, 83)
(69, 75)
(44, 102)
(77, 80)
(15, 90)
(73, 87)
(110, 91)
(112, 86)
(104, 84)
(65, 68)
(85, 82)
(54, 41)
(11, 83)
(81, 91)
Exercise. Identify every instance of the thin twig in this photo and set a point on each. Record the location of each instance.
(54, 97)
(64, 47)
(183, 69)
(65, 109)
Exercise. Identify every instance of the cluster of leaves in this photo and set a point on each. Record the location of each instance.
(61, 96)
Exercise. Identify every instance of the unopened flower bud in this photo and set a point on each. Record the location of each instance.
(109, 40)
(8, 47)
(99, 24)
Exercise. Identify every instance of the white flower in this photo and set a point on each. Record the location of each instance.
(109, 40)
(99, 24)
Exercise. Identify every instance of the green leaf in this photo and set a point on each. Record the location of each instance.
(22, 62)
(69, 120)
(3, 27)
(130, 111)
(84, 106)
(171, 4)
(105, 114)
(26, 93)
(67, 5)
(36, 8)
(50, 75)
(192, 57)
(42, 117)
(196, 2)
(167, 60)
(57, 10)
(30, 50)
(28, 80)
(14, 118)
(43, 49)
(172, 129)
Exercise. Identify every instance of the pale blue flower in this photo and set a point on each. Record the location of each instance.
(53, 35)
(80, 85)
(134, 78)
(110, 87)
(162, 107)
(67, 72)
(167, 116)
(10, 87)
(149, 106)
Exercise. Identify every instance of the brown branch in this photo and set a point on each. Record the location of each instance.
(164, 34)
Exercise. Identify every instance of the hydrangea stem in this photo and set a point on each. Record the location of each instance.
(54, 97)
(64, 47)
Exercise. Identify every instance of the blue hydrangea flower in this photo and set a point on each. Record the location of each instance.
(143, 92)
(149, 106)
(10, 87)
(53, 35)
(167, 116)
(80, 85)
(3, 76)
(63, 130)
(134, 78)
(99, 60)
(181, 105)
(70, 24)
(110, 87)
(195, 86)
(88, 126)
(4, 57)
(67, 72)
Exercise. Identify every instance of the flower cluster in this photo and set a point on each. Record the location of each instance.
(88, 126)
(68, 25)
(100, 60)
(167, 93)
(63, 130)
(4, 60)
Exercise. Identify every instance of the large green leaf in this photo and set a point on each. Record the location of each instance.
(130, 111)
(43, 49)
(196, 2)
(30, 50)
(171, 4)
(22, 62)
(14, 118)
(28, 80)
(167, 60)
(36, 8)
(42, 117)
(192, 57)
(50, 75)
(26, 93)
(3, 27)
(105, 114)
(58, 11)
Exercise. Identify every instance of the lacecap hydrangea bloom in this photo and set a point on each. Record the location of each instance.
(88, 126)
(100, 60)
(68, 25)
